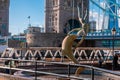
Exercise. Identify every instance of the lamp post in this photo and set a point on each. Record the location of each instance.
(113, 34)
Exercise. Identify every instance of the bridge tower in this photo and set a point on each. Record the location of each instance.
(61, 16)
(4, 17)
(111, 9)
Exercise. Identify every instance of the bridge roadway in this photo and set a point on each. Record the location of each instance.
(101, 35)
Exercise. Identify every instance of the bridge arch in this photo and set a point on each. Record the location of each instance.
(71, 24)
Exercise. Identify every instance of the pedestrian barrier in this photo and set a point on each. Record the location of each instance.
(34, 69)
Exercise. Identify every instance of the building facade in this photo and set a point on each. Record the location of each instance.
(4, 17)
(92, 27)
(61, 16)
(33, 29)
(36, 38)
(44, 39)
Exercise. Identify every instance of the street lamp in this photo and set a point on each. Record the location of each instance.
(113, 34)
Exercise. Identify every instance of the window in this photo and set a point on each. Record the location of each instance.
(55, 2)
(69, 2)
(0, 18)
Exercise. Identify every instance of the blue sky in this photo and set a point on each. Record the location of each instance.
(19, 12)
(21, 9)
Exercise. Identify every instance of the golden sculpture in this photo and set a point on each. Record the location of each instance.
(69, 40)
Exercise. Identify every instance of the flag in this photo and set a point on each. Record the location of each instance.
(28, 17)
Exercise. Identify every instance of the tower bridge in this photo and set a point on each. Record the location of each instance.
(84, 55)
(102, 35)
(65, 14)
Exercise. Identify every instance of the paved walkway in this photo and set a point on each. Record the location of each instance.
(47, 77)
(84, 77)
(1, 78)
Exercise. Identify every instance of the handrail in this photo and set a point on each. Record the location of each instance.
(42, 72)
(60, 63)
(59, 48)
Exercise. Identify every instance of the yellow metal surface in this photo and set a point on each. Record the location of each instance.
(68, 43)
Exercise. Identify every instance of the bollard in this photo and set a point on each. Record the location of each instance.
(10, 71)
(68, 70)
(35, 70)
(92, 74)
(62, 58)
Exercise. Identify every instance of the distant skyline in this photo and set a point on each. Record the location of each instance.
(19, 12)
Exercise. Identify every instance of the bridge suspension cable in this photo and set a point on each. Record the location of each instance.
(73, 13)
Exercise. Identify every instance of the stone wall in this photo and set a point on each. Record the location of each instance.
(44, 39)
(16, 44)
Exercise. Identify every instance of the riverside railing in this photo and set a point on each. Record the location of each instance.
(69, 66)
(87, 54)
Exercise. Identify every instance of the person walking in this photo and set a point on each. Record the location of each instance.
(115, 61)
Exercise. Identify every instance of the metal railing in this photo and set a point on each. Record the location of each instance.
(87, 54)
(68, 75)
